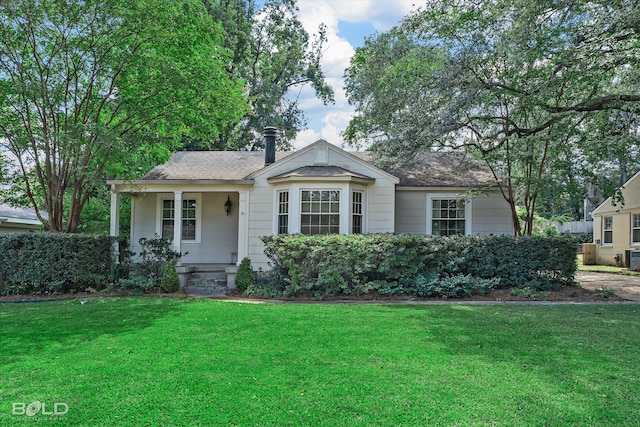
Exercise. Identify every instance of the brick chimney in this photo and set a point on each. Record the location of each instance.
(270, 133)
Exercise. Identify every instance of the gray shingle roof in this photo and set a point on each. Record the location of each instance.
(215, 165)
(432, 169)
(8, 211)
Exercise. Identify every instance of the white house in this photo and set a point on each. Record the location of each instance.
(616, 225)
(230, 200)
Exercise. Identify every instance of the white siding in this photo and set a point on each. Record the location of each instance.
(379, 197)
(490, 214)
(219, 232)
(411, 213)
(143, 219)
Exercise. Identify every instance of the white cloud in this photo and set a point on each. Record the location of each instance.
(328, 122)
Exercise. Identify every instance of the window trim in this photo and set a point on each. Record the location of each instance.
(185, 196)
(468, 221)
(633, 228)
(295, 190)
(605, 230)
(353, 214)
(280, 203)
(320, 213)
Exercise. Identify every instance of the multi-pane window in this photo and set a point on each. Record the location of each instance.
(320, 212)
(607, 229)
(448, 217)
(635, 228)
(356, 214)
(188, 219)
(283, 212)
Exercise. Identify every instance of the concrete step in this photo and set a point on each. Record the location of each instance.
(206, 290)
(220, 276)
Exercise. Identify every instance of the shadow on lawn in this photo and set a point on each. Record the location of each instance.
(576, 348)
(26, 328)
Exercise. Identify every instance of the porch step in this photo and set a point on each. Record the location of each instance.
(206, 290)
(207, 280)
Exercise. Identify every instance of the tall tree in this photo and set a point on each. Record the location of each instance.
(276, 57)
(84, 81)
(512, 81)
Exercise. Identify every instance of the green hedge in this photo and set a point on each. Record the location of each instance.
(53, 262)
(357, 264)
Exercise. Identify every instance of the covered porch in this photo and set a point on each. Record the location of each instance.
(206, 222)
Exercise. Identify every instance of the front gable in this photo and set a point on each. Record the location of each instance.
(322, 153)
(631, 196)
(322, 189)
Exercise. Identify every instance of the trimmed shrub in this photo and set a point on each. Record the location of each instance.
(419, 265)
(244, 276)
(170, 281)
(53, 262)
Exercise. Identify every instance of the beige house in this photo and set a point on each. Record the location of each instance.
(18, 219)
(616, 226)
(230, 200)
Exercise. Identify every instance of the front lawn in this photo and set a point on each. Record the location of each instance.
(162, 361)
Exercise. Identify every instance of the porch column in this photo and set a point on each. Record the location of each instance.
(114, 220)
(177, 222)
(243, 225)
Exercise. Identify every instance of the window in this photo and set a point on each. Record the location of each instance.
(320, 212)
(448, 217)
(188, 219)
(283, 212)
(356, 208)
(635, 228)
(607, 230)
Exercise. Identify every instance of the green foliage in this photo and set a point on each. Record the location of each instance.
(156, 255)
(605, 292)
(420, 265)
(137, 284)
(244, 276)
(529, 292)
(276, 58)
(96, 87)
(170, 281)
(269, 284)
(444, 287)
(52, 262)
(525, 86)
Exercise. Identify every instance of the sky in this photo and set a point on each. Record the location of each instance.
(348, 23)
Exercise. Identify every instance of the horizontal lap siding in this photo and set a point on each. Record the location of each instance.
(143, 221)
(411, 214)
(219, 232)
(260, 222)
(219, 238)
(491, 215)
(380, 209)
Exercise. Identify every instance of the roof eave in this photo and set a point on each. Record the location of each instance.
(354, 179)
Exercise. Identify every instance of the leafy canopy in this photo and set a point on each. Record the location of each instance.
(85, 83)
(520, 84)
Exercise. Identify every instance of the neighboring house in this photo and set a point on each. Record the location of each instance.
(616, 227)
(18, 219)
(231, 199)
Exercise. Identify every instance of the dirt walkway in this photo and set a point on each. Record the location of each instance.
(627, 287)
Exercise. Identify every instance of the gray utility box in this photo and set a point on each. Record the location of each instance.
(635, 260)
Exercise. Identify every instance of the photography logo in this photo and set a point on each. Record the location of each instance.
(37, 408)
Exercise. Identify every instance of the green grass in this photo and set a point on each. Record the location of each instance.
(160, 361)
(605, 268)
